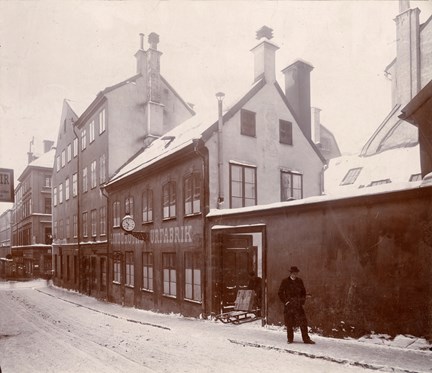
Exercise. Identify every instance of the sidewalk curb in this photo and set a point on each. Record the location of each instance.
(323, 357)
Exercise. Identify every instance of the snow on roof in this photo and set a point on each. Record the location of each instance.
(396, 165)
(379, 189)
(45, 160)
(176, 139)
(173, 141)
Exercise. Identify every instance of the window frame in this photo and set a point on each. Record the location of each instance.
(169, 205)
(116, 214)
(285, 134)
(147, 205)
(247, 123)
(192, 263)
(243, 198)
(351, 176)
(129, 269)
(169, 268)
(291, 195)
(148, 271)
(191, 203)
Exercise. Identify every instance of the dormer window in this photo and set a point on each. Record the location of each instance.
(351, 176)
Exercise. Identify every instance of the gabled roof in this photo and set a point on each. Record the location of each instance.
(198, 127)
(46, 160)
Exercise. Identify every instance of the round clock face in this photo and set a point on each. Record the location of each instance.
(128, 224)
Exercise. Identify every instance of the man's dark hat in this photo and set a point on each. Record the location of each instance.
(294, 269)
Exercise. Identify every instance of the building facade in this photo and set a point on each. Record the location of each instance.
(92, 146)
(257, 152)
(31, 217)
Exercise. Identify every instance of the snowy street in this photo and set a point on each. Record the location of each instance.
(47, 329)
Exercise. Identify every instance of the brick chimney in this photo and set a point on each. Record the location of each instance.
(298, 93)
(154, 107)
(407, 53)
(264, 56)
(141, 57)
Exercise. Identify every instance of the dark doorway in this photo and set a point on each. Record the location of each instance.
(238, 259)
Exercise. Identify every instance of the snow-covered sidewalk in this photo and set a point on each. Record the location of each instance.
(403, 354)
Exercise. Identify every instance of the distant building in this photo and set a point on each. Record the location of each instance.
(91, 146)
(31, 216)
(392, 152)
(258, 152)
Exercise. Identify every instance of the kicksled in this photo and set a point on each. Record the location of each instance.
(244, 310)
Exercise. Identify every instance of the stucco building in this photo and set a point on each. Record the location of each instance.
(91, 146)
(259, 151)
(31, 216)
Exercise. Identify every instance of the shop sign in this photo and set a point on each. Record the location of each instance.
(6, 185)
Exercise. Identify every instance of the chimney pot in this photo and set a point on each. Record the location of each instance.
(264, 56)
(153, 39)
(141, 41)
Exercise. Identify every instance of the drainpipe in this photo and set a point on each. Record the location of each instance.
(80, 274)
(205, 185)
(220, 96)
(105, 194)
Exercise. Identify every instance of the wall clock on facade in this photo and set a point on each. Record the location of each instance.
(128, 224)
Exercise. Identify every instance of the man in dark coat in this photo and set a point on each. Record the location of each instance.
(292, 294)
(255, 284)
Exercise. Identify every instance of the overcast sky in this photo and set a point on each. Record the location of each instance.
(52, 50)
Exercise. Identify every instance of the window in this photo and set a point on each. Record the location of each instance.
(67, 227)
(69, 153)
(116, 213)
(169, 200)
(285, 132)
(67, 194)
(147, 206)
(84, 224)
(102, 220)
(60, 191)
(103, 273)
(55, 196)
(415, 177)
(75, 147)
(243, 186)
(147, 260)
(129, 206)
(92, 131)
(63, 158)
(55, 229)
(169, 274)
(102, 123)
(379, 182)
(83, 139)
(130, 269)
(47, 182)
(291, 185)
(192, 194)
(117, 267)
(93, 217)
(75, 226)
(248, 125)
(192, 277)
(93, 181)
(84, 180)
(74, 185)
(58, 163)
(351, 176)
(102, 169)
(48, 209)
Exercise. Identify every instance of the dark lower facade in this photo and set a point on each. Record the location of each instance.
(26, 262)
(83, 268)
